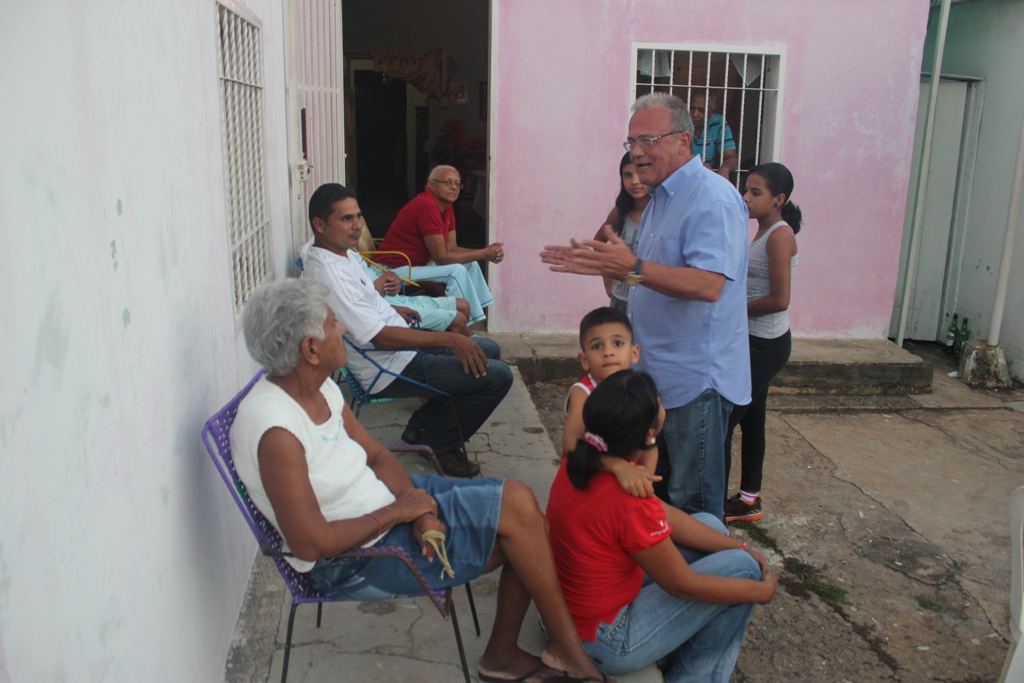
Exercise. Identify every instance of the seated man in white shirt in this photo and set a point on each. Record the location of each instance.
(467, 368)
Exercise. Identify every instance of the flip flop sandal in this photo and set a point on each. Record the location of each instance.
(521, 679)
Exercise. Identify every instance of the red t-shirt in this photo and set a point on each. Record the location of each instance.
(421, 216)
(593, 535)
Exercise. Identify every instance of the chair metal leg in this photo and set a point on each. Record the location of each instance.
(288, 643)
(472, 608)
(462, 438)
(320, 611)
(458, 633)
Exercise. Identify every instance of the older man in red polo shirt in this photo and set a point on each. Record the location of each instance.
(425, 231)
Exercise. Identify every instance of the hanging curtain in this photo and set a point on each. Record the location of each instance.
(429, 72)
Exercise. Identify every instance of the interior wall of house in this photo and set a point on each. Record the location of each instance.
(459, 26)
(561, 101)
(122, 556)
(983, 40)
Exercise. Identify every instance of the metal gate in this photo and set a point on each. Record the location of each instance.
(316, 104)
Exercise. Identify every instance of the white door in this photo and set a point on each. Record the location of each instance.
(924, 313)
(316, 117)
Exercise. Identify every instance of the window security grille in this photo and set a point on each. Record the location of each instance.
(242, 132)
(741, 86)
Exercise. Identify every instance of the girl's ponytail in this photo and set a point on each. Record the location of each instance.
(582, 463)
(792, 215)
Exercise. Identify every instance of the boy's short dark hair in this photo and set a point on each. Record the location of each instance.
(603, 316)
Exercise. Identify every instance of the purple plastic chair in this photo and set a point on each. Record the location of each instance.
(215, 436)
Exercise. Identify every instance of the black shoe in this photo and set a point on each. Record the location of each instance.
(412, 435)
(739, 511)
(455, 464)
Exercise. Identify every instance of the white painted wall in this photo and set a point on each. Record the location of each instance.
(984, 40)
(121, 556)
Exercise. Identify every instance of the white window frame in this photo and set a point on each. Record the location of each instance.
(244, 150)
(769, 134)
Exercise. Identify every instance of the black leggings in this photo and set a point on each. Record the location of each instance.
(767, 357)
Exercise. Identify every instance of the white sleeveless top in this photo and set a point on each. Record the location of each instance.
(772, 325)
(345, 487)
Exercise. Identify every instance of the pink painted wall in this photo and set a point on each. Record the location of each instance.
(560, 97)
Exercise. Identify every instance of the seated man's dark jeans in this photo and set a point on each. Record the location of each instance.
(475, 397)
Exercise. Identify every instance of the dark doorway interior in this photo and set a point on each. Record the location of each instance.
(380, 139)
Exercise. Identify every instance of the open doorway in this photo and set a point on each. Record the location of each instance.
(396, 128)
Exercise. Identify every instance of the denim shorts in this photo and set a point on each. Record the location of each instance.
(469, 509)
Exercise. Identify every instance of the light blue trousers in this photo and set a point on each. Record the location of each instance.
(464, 280)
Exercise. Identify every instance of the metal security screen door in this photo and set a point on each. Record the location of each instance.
(242, 129)
(316, 102)
(740, 89)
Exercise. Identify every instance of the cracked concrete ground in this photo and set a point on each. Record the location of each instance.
(901, 502)
(903, 505)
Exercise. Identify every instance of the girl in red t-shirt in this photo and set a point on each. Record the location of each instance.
(700, 584)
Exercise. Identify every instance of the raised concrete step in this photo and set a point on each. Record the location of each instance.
(867, 367)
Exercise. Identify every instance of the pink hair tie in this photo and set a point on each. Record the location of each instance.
(595, 441)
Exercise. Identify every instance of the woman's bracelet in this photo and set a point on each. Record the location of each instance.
(374, 518)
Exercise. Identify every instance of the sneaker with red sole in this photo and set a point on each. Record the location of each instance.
(738, 511)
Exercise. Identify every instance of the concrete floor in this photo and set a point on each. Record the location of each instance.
(901, 503)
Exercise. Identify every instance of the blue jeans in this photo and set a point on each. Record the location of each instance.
(701, 640)
(470, 509)
(475, 397)
(695, 437)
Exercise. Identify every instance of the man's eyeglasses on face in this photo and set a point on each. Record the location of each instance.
(646, 143)
(448, 182)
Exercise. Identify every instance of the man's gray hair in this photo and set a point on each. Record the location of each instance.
(710, 99)
(679, 115)
(440, 171)
(278, 316)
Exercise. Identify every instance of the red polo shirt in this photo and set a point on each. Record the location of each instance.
(420, 217)
(593, 535)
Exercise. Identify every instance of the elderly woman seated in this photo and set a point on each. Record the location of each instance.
(328, 486)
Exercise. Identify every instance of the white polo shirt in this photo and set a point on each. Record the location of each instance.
(361, 309)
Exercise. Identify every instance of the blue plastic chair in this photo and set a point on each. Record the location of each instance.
(361, 395)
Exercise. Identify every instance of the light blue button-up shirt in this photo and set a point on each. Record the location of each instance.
(695, 219)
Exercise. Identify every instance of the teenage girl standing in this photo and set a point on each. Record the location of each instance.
(770, 270)
(624, 220)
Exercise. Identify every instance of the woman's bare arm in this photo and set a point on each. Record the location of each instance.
(781, 246)
(285, 477)
(669, 570)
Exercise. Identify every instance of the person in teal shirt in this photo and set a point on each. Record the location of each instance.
(708, 142)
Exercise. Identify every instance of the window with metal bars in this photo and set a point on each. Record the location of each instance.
(244, 149)
(740, 92)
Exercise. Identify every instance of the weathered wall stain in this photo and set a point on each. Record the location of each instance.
(51, 339)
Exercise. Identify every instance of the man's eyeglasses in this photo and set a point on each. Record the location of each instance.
(448, 182)
(647, 142)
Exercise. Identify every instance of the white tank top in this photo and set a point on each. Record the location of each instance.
(772, 325)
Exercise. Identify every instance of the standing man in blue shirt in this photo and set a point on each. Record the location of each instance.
(713, 142)
(689, 308)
